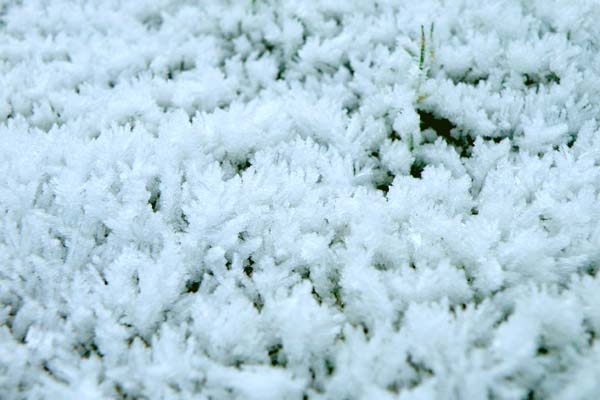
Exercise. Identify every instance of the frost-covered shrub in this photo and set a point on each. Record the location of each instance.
(288, 200)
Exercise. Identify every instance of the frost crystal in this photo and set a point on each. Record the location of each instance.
(299, 200)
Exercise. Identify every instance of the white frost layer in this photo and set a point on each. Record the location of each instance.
(278, 200)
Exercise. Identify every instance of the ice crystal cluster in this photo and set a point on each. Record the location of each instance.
(325, 199)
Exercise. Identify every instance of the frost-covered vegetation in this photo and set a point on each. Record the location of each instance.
(299, 199)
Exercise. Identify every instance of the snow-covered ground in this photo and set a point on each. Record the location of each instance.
(299, 199)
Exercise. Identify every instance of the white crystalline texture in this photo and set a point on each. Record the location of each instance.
(299, 199)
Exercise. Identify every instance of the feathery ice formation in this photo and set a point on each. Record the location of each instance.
(299, 200)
